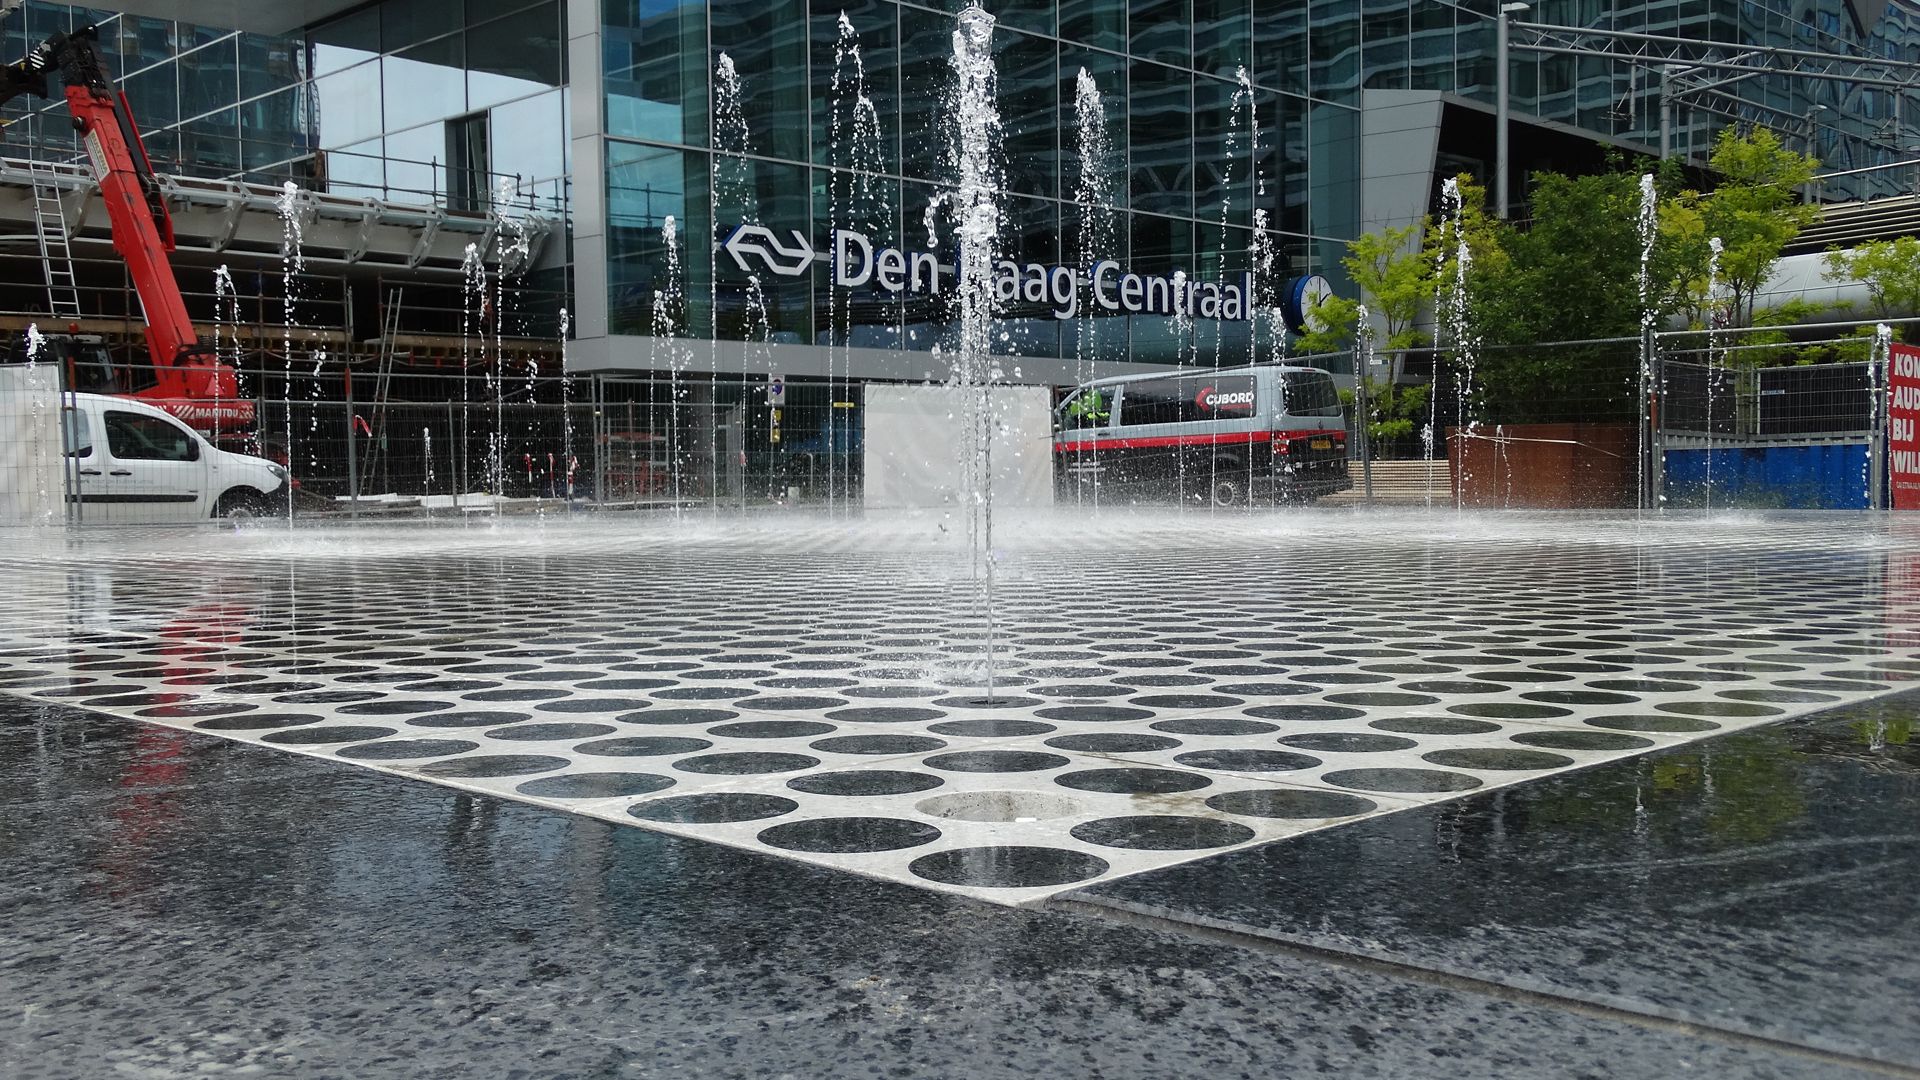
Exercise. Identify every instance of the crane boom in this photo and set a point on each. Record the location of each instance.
(190, 381)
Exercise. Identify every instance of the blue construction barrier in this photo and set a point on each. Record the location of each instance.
(1827, 476)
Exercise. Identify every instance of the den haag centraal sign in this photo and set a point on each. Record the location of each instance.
(1107, 286)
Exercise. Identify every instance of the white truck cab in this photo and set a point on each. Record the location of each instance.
(130, 463)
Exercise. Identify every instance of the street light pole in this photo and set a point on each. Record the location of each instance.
(1502, 158)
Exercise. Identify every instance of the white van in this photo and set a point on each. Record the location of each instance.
(130, 463)
(1268, 433)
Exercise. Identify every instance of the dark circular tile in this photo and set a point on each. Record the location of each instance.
(996, 761)
(1652, 723)
(1133, 781)
(1434, 725)
(467, 718)
(1509, 710)
(745, 763)
(1162, 832)
(1382, 698)
(878, 744)
(405, 749)
(617, 684)
(982, 701)
(1213, 725)
(1313, 713)
(771, 729)
(1264, 689)
(1187, 701)
(1113, 742)
(1348, 742)
(482, 765)
(393, 707)
(1718, 708)
(1453, 686)
(713, 808)
(993, 728)
(1495, 758)
(1775, 693)
(1581, 740)
(791, 703)
(326, 736)
(642, 746)
(1236, 760)
(594, 785)
(514, 694)
(550, 732)
(885, 714)
(329, 697)
(1007, 867)
(1644, 686)
(672, 717)
(845, 835)
(1401, 780)
(1094, 714)
(259, 722)
(1579, 697)
(592, 705)
(864, 782)
(1282, 803)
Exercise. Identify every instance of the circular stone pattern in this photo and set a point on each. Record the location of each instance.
(1496, 758)
(847, 835)
(1290, 804)
(1115, 742)
(1434, 725)
(483, 765)
(1582, 740)
(642, 746)
(323, 736)
(996, 761)
(404, 749)
(878, 744)
(594, 785)
(865, 782)
(1008, 867)
(1162, 832)
(1402, 780)
(1133, 781)
(1234, 760)
(745, 763)
(713, 808)
(1348, 742)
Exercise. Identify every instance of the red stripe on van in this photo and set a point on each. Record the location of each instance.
(1226, 439)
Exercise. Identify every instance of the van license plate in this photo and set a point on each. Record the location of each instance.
(1321, 444)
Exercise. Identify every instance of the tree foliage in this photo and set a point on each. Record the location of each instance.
(1890, 269)
(1754, 211)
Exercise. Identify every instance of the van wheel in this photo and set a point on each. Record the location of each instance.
(240, 506)
(1229, 490)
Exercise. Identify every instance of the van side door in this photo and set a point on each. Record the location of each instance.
(155, 470)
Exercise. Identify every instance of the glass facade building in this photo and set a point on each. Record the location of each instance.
(1218, 113)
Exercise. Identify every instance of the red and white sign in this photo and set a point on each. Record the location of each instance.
(1903, 427)
(1224, 400)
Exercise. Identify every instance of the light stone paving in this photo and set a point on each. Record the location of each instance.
(1167, 687)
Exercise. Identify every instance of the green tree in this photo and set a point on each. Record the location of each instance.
(1890, 269)
(1572, 275)
(1755, 212)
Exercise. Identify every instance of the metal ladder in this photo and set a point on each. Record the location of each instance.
(56, 257)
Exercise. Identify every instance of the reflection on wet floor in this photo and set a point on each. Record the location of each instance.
(1166, 688)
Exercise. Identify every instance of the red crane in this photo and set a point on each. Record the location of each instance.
(190, 381)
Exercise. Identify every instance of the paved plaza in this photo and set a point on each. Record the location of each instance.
(1510, 737)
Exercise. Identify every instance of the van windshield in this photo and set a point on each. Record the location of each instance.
(1308, 393)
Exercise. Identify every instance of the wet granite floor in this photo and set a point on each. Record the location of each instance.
(1320, 794)
(178, 905)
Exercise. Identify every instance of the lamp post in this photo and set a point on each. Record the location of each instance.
(1501, 157)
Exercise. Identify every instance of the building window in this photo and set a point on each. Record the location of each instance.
(467, 163)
